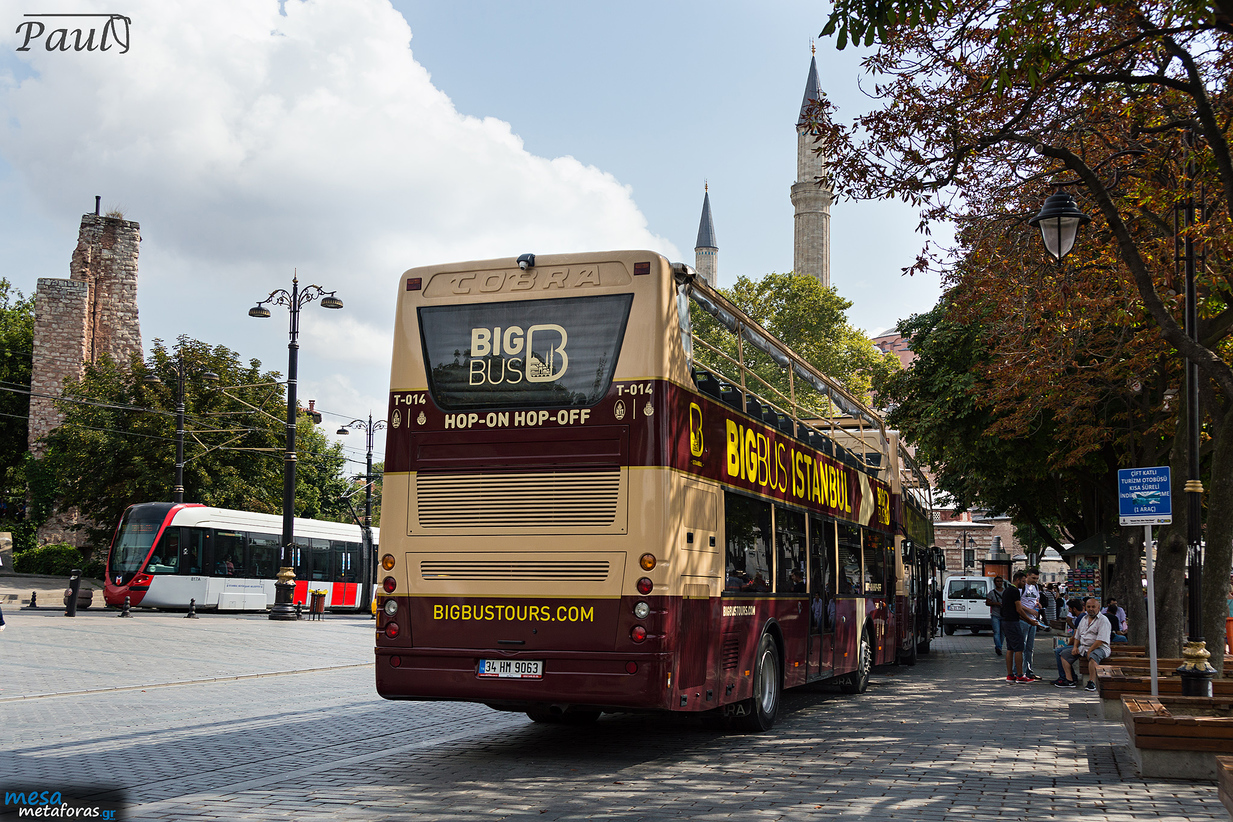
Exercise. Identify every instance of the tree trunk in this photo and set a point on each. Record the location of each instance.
(1129, 587)
(1218, 536)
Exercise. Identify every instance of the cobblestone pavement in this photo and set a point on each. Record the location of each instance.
(240, 718)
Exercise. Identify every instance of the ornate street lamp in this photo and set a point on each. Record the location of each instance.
(285, 587)
(152, 379)
(1059, 222)
(368, 564)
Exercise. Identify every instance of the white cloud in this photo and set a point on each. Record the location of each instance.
(247, 142)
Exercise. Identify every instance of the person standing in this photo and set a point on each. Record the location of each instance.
(1013, 615)
(1051, 602)
(994, 601)
(1031, 607)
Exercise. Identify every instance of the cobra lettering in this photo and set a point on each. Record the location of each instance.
(466, 612)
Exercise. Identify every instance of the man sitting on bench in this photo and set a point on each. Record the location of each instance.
(1091, 641)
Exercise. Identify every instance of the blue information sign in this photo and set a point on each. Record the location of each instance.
(1144, 496)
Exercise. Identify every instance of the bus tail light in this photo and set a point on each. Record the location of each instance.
(647, 561)
(641, 610)
(645, 586)
(391, 606)
(638, 634)
(391, 629)
(389, 585)
(387, 562)
(396, 661)
(631, 667)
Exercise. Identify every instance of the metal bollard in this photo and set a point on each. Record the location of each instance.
(34, 599)
(124, 611)
(192, 609)
(298, 610)
(74, 587)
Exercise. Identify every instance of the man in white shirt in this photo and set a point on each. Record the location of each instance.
(1031, 602)
(1091, 642)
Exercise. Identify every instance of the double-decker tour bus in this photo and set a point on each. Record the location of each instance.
(164, 555)
(600, 507)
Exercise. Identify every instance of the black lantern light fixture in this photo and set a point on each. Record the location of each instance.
(1059, 222)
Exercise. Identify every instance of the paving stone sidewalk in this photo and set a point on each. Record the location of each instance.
(303, 737)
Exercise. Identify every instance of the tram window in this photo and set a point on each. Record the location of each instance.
(228, 553)
(875, 563)
(322, 566)
(790, 547)
(192, 544)
(262, 556)
(849, 560)
(748, 547)
(166, 556)
(302, 557)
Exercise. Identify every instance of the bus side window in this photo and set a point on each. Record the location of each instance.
(875, 562)
(747, 523)
(849, 560)
(790, 545)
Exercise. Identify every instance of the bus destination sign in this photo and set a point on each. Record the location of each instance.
(1144, 496)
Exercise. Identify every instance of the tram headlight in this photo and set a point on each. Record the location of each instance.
(391, 607)
(387, 562)
(645, 586)
(647, 561)
(640, 610)
(389, 585)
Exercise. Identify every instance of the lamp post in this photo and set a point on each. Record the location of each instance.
(1195, 671)
(367, 566)
(153, 379)
(294, 300)
(1059, 222)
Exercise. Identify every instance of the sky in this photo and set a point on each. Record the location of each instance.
(350, 140)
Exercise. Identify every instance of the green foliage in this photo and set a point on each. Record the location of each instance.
(16, 344)
(809, 319)
(117, 444)
(55, 559)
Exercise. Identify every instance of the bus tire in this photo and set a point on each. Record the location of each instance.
(908, 657)
(858, 681)
(763, 707)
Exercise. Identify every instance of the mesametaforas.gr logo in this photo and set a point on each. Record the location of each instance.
(114, 29)
(51, 805)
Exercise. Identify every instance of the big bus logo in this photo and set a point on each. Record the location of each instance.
(490, 364)
(696, 444)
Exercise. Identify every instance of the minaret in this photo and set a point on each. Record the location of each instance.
(811, 251)
(706, 252)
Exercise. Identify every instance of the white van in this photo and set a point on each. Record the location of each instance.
(965, 604)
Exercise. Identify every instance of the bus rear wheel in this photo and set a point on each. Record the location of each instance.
(859, 680)
(763, 707)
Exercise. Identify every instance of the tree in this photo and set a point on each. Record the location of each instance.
(811, 320)
(16, 345)
(116, 446)
(986, 105)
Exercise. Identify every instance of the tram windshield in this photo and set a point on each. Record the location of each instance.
(136, 535)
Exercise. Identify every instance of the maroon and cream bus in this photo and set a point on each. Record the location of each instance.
(589, 507)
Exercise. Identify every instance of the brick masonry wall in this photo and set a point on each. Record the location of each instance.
(78, 320)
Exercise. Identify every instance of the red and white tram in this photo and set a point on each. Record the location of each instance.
(165, 554)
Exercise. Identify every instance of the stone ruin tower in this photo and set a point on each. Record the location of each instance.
(76, 321)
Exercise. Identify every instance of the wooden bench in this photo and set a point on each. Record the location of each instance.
(1170, 737)
(1116, 681)
(1224, 782)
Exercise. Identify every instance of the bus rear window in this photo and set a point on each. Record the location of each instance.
(524, 354)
